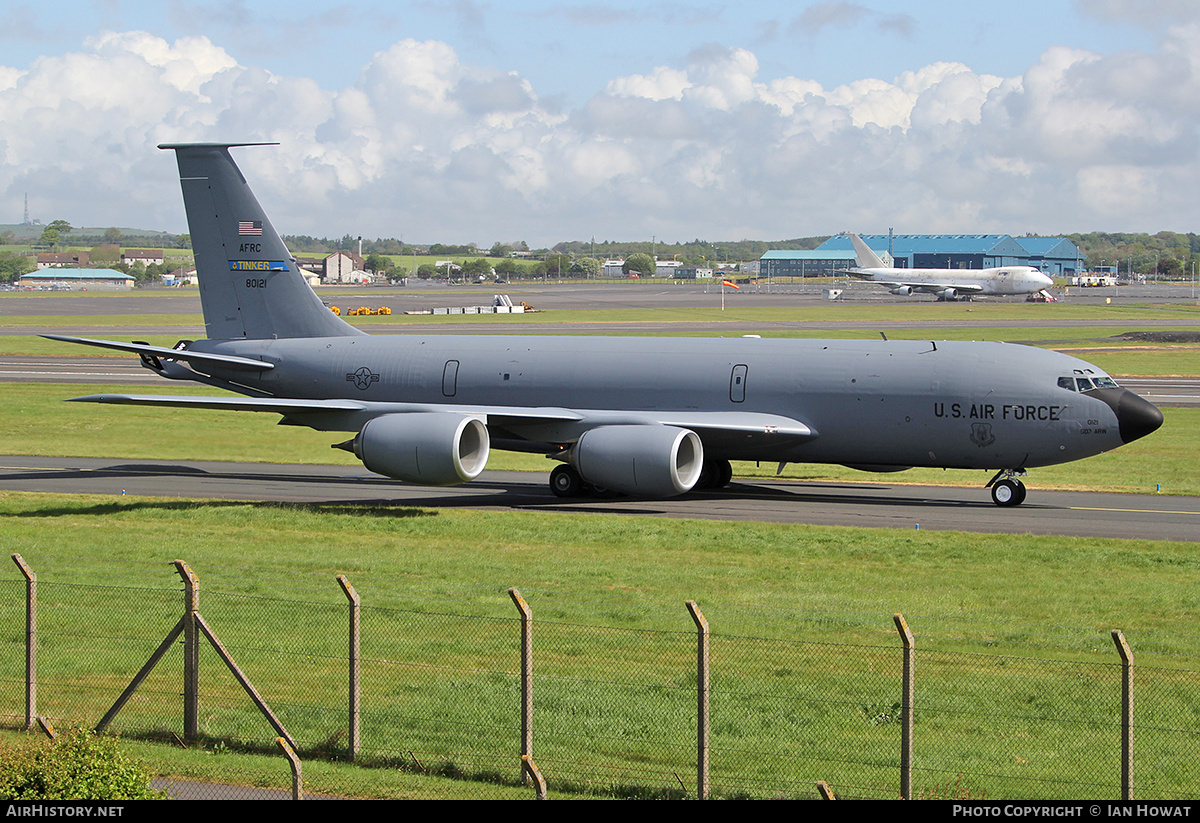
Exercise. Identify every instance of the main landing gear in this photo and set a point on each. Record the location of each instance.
(1007, 489)
(714, 474)
(565, 481)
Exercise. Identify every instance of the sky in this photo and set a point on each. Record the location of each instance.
(543, 121)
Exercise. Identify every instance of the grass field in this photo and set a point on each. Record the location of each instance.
(1019, 669)
(1098, 344)
(803, 649)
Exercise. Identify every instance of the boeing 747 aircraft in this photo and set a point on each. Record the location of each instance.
(650, 417)
(947, 284)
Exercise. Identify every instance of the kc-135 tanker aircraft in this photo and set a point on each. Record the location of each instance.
(648, 417)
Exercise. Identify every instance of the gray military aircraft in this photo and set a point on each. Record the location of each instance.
(650, 417)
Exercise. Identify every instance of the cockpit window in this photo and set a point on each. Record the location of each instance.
(1087, 383)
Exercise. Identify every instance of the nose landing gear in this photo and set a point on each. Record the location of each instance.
(1007, 489)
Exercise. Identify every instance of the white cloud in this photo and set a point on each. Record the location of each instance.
(661, 84)
(431, 147)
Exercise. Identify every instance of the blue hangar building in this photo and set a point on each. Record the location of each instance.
(1056, 256)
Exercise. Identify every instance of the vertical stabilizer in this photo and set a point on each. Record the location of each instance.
(867, 259)
(250, 285)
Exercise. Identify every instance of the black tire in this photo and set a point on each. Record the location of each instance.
(724, 474)
(566, 482)
(1008, 493)
(714, 474)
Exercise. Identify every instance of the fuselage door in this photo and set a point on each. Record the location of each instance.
(737, 384)
(450, 378)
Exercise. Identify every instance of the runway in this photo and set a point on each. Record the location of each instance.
(565, 296)
(1082, 514)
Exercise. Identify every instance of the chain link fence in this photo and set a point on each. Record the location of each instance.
(425, 693)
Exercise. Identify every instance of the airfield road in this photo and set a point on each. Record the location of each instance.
(1084, 514)
(654, 294)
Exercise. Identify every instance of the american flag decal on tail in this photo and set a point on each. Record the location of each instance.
(249, 228)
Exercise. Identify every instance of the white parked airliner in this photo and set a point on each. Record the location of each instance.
(947, 284)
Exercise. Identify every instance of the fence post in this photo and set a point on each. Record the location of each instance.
(526, 677)
(1126, 713)
(530, 771)
(355, 603)
(906, 708)
(191, 652)
(30, 641)
(297, 769)
(701, 699)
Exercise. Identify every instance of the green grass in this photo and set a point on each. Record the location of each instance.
(804, 654)
(1097, 344)
(49, 323)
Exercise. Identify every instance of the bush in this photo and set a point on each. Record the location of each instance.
(78, 766)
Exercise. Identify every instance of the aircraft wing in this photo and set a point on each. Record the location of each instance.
(536, 423)
(145, 350)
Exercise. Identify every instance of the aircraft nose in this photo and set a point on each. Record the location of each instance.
(1043, 280)
(1136, 416)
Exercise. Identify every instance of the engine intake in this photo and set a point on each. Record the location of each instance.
(643, 461)
(434, 448)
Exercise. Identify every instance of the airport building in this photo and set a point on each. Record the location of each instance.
(1056, 256)
(64, 278)
(806, 263)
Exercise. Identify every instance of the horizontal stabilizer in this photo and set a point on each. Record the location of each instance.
(278, 405)
(228, 361)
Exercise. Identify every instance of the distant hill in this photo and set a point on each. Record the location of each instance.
(94, 236)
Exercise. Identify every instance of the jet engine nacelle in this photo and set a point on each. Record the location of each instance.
(905, 290)
(644, 461)
(434, 449)
(948, 294)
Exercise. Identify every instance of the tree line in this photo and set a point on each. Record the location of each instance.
(1166, 253)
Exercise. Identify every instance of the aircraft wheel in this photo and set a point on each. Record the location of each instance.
(1008, 493)
(714, 474)
(566, 482)
(724, 474)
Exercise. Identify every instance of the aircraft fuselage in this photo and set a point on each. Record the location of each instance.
(878, 403)
(1003, 280)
